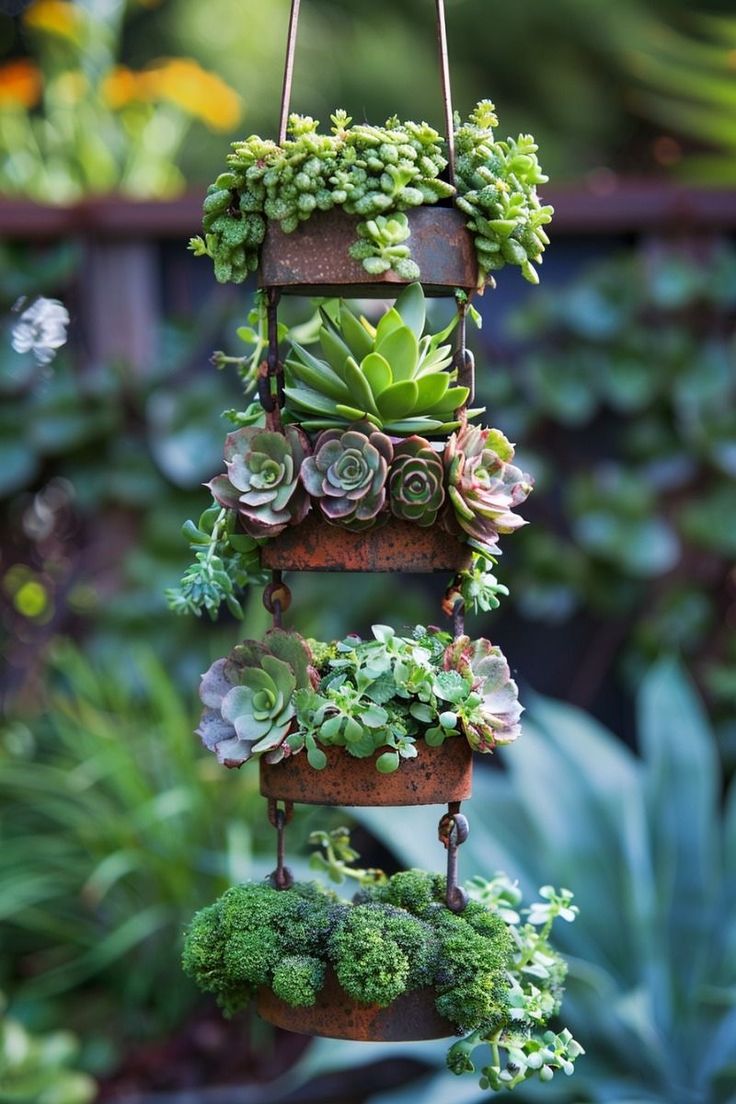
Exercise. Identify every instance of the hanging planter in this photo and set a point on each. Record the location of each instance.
(315, 258)
(387, 721)
(412, 1016)
(314, 545)
(437, 776)
(393, 964)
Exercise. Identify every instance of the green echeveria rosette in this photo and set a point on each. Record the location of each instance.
(483, 486)
(416, 491)
(262, 482)
(347, 475)
(249, 697)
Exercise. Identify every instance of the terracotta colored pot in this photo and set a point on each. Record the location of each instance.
(315, 545)
(437, 776)
(337, 1016)
(314, 259)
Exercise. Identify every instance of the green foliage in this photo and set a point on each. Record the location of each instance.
(225, 564)
(35, 1069)
(650, 989)
(381, 246)
(684, 81)
(376, 173)
(392, 375)
(497, 191)
(336, 858)
(639, 344)
(280, 698)
(109, 841)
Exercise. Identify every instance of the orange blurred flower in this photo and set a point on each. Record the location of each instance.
(181, 81)
(121, 86)
(56, 16)
(201, 94)
(20, 84)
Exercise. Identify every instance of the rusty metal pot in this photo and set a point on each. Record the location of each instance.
(437, 776)
(315, 545)
(314, 259)
(335, 1015)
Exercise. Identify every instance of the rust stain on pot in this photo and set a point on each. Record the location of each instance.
(335, 1015)
(315, 545)
(437, 776)
(314, 259)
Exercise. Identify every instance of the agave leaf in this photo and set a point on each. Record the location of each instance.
(360, 389)
(440, 338)
(389, 322)
(352, 414)
(304, 398)
(398, 400)
(453, 399)
(431, 390)
(412, 308)
(354, 334)
(377, 372)
(325, 380)
(435, 360)
(334, 348)
(308, 358)
(401, 350)
(407, 426)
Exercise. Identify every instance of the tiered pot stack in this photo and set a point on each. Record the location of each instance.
(366, 459)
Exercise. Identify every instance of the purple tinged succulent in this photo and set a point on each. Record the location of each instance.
(248, 697)
(483, 486)
(416, 482)
(347, 474)
(262, 482)
(491, 715)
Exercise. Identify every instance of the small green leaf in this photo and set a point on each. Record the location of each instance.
(388, 762)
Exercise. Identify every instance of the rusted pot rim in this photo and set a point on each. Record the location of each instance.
(335, 1015)
(437, 776)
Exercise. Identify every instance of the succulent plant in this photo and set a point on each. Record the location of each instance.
(347, 474)
(415, 482)
(381, 246)
(389, 375)
(483, 486)
(262, 481)
(490, 715)
(249, 697)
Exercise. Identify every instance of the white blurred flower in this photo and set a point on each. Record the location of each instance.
(41, 329)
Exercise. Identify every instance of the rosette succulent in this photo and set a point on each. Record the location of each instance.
(262, 482)
(249, 697)
(483, 486)
(347, 474)
(390, 375)
(490, 715)
(415, 482)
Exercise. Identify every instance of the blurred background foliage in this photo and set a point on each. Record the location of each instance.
(617, 381)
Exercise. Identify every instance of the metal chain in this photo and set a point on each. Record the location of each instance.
(453, 830)
(282, 878)
(276, 597)
(444, 78)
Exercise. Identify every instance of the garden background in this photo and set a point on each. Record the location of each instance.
(615, 378)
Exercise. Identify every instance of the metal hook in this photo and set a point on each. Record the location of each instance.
(453, 831)
(282, 878)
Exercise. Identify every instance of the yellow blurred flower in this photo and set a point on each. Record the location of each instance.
(201, 94)
(20, 84)
(56, 16)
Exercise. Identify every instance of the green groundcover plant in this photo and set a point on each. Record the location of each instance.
(378, 173)
(287, 695)
(495, 978)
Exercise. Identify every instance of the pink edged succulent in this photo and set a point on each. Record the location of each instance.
(262, 482)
